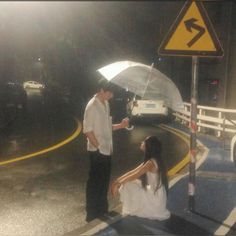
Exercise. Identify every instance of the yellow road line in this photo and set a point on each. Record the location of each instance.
(185, 160)
(56, 146)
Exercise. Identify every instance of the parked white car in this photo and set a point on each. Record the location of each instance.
(33, 85)
(146, 108)
(233, 150)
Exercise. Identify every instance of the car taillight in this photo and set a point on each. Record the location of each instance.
(135, 103)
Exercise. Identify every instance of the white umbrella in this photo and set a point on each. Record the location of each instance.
(143, 80)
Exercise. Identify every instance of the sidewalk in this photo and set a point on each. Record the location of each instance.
(215, 191)
(215, 201)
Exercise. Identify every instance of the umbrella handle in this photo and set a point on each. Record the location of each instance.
(130, 127)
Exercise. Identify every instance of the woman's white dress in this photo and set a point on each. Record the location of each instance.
(147, 203)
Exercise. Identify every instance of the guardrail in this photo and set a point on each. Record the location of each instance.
(223, 121)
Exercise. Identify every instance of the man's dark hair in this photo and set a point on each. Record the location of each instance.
(106, 85)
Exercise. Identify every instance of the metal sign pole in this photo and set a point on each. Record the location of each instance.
(193, 129)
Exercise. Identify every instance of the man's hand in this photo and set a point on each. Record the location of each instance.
(125, 123)
(90, 135)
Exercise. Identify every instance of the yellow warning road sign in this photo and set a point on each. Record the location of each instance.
(192, 34)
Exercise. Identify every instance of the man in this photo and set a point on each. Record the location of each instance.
(98, 127)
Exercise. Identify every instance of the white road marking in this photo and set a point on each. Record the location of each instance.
(227, 224)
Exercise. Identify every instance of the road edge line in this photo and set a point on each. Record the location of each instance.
(49, 149)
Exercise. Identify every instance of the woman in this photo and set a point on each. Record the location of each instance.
(143, 190)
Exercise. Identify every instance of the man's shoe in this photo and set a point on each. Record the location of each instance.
(90, 218)
(109, 216)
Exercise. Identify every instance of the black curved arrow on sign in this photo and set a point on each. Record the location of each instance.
(190, 24)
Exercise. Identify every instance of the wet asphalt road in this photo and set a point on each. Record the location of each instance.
(45, 195)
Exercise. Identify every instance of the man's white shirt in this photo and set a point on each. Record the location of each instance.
(97, 119)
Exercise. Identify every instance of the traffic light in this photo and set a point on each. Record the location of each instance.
(214, 82)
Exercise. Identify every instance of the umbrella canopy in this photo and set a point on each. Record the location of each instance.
(143, 80)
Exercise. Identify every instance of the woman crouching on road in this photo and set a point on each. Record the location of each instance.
(143, 190)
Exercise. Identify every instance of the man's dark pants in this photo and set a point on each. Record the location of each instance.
(97, 185)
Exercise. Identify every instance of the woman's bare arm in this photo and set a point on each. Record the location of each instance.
(131, 175)
(136, 173)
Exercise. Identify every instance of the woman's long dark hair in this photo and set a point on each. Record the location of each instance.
(153, 150)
